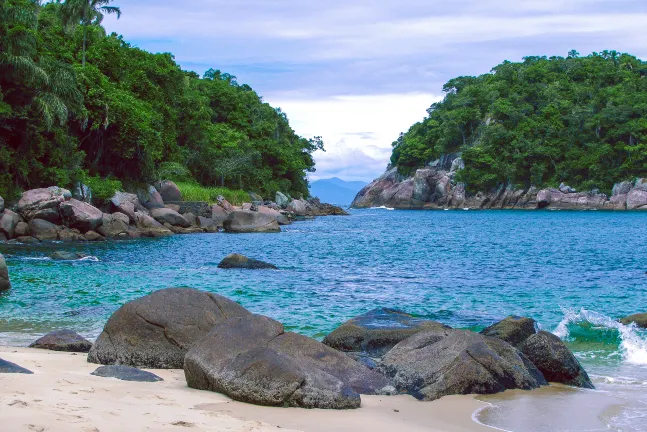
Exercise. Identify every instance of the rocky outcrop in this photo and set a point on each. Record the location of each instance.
(441, 362)
(157, 330)
(5, 283)
(80, 215)
(43, 203)
(553, 358)
(238, 261)
(125, 373)
(252, 359)
(435, 187)
(245, 221)
(169, 191)
(513, 329)
(63, 340)
(374, 333)
(640, 319)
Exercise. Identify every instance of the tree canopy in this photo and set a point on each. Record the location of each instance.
(580, 120)
(128, 114)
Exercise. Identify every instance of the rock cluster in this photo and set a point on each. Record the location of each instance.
(435, 187)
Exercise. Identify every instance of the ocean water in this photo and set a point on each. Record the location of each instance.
(574, 272)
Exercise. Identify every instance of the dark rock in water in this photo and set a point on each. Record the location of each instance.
(67, 256)
(157, 330)
(5, 284)
(12, 368)
(376, 332)
(238, 261)
(442, 362)
(252, 359)
(512, 329)
(63, 340)
(245, 221)
(640, 319)
(93, 236)
(553, 358)
(126, 373)
(27, 240)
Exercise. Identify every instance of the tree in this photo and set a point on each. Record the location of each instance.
(86, 13)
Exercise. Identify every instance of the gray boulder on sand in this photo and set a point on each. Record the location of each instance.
(43, 203)
(512, 329)
(169, 216)
(553, 358)
(63, 340)
(252, 359)
(377, 331)
(242, 221)
(5, 284)
(640, 319)
(126, 373)
(80, 215)
(441, 362)
(6, 367)
(67, 256)
(157, 330)
(238, 261)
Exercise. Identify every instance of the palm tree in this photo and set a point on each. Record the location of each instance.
(85, 13)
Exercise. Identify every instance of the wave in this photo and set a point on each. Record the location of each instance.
(382, 208)
(633, 346)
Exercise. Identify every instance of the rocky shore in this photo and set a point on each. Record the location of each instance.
(55, 214)
(435, 187)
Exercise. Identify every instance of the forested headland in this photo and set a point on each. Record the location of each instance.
(80, 105)
(542, 121)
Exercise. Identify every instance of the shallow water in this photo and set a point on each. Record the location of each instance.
(574, 272)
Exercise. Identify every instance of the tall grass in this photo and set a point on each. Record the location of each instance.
(195, 192)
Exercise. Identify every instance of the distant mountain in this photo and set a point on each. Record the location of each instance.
(335, 190)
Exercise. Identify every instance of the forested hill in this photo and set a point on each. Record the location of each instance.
(114, 113)
(581, 120)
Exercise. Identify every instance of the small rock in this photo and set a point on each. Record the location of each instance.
(126, 373)
(237, 261)
(640, 319)
(12, 368)
(512, 329)
(67, 256)
(63, 340)
(93, 236)
(22, 230)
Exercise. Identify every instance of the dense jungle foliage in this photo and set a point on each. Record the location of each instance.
(77, 104)
(581, 120)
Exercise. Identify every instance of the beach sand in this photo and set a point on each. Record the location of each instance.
(61, 395)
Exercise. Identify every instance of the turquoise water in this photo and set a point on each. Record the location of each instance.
(574, 272)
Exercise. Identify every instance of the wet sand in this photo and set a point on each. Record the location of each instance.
(61, 395)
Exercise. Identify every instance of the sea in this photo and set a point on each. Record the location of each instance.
(575, 272)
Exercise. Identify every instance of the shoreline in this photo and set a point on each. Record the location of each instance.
(61, 395)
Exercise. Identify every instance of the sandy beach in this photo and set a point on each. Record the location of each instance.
(61, 395)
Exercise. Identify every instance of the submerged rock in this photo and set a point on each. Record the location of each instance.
(442, 362)
(555, 360)
(640, 319)
(242, 221)
(63, 340)
(5, 284)
(377, 331)
(67, 256)
(126, 373)
(512, 329)
(252, 359)
(238, 261)
(6, 367)
(157, 330)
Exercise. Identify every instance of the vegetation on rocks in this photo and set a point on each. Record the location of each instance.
(543, 121)
(78, 104)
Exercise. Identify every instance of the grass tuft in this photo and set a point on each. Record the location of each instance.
(195, 192)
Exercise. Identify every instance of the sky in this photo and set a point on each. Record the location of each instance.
(360, 72)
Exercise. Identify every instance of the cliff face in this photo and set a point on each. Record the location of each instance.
(434, 187)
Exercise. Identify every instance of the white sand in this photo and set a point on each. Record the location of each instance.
(63, 396)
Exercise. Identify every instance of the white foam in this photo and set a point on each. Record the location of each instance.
(633, 347)
(382, 208)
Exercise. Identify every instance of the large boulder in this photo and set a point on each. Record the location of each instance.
(640, 319)
(63, 340)
(5, 284)
(149, 227)
(43, 230)
(80, 215)
(297, 207)
(8, 222)
(150, 198)
(126, 203)
(22, 230)
(6, 367)
(157, 330)
(171, 217)
(281, 200)
(442, 362)
(238, 261)
(280, 217)
(637, 199)
(553, 358)
(114, 225)
(43, 203)
(621, 188)
(252, 359)
(169, 191)
(512, 329)
(376, 332)
(243, 221)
